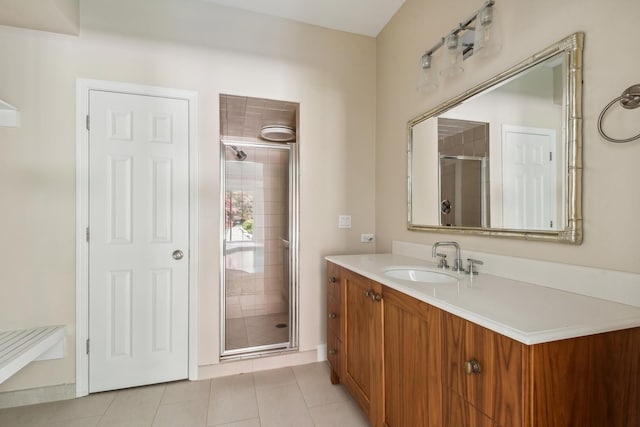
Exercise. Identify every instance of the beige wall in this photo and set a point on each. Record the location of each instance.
(611, 171)
(193, 46)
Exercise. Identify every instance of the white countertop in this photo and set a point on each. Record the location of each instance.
(528, 313)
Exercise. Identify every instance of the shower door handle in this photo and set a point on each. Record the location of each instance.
(177, 254)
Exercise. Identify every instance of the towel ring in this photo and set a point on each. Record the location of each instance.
(629, 99)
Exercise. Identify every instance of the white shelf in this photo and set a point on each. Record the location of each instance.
(9, 115)
(20, 347)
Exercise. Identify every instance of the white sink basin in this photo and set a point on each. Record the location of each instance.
(419, 275)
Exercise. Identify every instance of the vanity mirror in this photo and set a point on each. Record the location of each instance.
(505, 157)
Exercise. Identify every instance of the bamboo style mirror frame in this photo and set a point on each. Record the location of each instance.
(506, 155)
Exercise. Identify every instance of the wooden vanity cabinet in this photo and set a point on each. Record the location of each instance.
(407, 363)
(412, 362)
(361, 358)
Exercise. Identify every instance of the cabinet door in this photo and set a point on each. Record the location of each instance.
(497, 390)
(362, 344)
(459, 413)
(589, 381)
(412, 362)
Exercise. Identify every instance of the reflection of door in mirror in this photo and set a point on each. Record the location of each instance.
(463, 149)
(529, 196)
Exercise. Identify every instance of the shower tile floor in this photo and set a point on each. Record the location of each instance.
(256, 330)
(296, 396)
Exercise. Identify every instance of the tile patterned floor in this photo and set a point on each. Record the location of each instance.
(296, 397)
(256, 330)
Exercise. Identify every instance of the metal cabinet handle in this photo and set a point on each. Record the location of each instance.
(332, 315)
(374, 296)
(332, 352)
(332, 279)
(177, 254)
(472, 367)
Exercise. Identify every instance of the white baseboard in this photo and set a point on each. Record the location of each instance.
(31, 396)
(322, 352)
(243, 366)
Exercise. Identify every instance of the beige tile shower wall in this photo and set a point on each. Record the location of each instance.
(276, 196)
(527, 27)
(190, 45)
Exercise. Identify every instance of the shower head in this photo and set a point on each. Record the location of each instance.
(240, 155)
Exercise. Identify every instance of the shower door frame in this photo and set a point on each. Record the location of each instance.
(484, 192)
(294, 221)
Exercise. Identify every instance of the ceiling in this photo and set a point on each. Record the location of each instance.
(57, 16)
(365, 17)
(450, 127)
(243, 117)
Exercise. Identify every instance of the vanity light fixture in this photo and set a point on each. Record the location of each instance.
(460, 43)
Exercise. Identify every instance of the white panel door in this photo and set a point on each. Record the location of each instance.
(138, 219)
(528, 178)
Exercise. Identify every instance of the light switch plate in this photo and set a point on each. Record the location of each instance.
(344, 221)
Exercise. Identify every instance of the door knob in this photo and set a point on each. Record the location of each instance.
(177, 254)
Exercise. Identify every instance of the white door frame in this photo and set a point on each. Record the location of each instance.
(83, 86)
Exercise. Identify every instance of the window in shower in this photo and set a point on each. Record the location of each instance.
(259, 310)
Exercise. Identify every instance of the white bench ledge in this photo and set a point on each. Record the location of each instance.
(20, 347)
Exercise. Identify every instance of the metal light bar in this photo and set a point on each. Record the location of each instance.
(461, 27)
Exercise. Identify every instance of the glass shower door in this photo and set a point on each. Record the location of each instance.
(256, 282)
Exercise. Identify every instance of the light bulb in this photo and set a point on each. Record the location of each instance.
(428, 78)
(486, 41)
(452, 64)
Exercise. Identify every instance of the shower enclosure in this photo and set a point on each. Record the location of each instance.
(259, 310)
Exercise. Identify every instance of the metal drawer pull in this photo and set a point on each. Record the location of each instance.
(332, 352)
(333, 279)
(472, 367)
(374, 296)
(332, 315)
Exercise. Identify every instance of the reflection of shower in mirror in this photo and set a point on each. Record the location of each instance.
(240, 155)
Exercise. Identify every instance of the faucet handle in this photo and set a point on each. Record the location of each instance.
(471, 266)
(442, 262)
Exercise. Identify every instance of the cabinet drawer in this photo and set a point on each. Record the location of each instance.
(459, 413)
(496, 386)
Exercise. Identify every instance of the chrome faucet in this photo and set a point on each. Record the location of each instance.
(457, 264)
